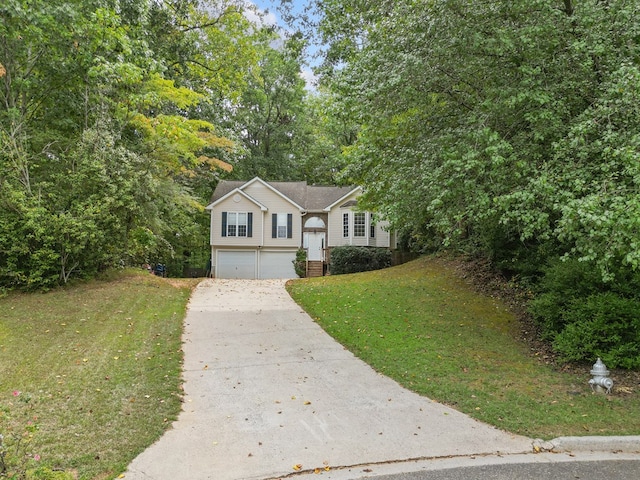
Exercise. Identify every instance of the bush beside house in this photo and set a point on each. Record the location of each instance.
(300, 263)
(351, 259)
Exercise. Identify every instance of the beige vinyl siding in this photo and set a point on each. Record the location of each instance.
(382, 237)
(334, 224)
(335, 229)
(276, 204)
(243, 205)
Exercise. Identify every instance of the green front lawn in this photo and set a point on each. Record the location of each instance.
(425, 327)
(92, 372)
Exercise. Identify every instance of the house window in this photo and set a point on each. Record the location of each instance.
(236, 224)
(345, 225)
(282, 225)
(372, 226)
(359, 224)
(314, 222)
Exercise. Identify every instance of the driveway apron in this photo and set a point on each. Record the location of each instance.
(269, 393)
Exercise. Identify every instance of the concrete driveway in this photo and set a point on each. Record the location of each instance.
(269, 394)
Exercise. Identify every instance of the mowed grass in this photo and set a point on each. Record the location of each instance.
(429, 330)
(98, 368)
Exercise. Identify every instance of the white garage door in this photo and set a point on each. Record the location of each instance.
(277, 264)
(239, 264)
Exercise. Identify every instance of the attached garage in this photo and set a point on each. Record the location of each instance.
(251, 264)
(236, 264)
(274, 264)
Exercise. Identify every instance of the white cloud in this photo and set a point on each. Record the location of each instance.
(259, 16)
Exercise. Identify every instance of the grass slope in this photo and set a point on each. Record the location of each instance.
(98, 368)
(433, 333)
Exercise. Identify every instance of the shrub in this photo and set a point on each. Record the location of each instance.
(300, 263)
(603, 325)
(350, 259)
(587, 318)
(562, 284)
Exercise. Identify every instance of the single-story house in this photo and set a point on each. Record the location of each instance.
(257, 227)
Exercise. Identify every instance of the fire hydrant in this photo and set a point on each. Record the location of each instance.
(600, 383)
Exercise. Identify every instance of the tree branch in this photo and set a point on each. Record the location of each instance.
(568, 8)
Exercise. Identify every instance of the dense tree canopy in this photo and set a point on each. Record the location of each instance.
(497, 121)
(506, 129)
(112, 128)
(509, 130)
(270, 115)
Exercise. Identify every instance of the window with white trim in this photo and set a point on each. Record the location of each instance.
(236, 224)
(345, 225)
(372, 226)
(359, 224)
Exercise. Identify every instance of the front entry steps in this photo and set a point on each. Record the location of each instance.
(315, 269)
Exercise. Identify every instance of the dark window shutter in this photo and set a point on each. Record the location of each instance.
(249, 224)
(274, 225)
(289, 225)
(224, 224)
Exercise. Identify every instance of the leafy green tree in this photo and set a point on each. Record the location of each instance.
(271, 113)
(106, 133)
(466, 113)
(324, 134)
(505, 129)
(208, 46)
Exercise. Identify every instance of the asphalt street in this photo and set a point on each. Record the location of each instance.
(584, 465)
(595, 470)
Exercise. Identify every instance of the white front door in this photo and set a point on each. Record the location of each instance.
(314, 242)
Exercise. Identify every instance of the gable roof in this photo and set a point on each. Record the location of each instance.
(312, 198)
(321, 198)
(292, 191)
(237, 191)
(341, 199)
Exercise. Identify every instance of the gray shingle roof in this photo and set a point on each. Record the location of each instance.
(312, 198)
(224, 187)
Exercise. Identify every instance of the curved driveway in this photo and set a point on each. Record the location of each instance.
(269, 394)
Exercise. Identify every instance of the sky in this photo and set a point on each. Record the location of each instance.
(273, 18)
(271, 6)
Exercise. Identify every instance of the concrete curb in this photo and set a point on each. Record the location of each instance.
(620, 444)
